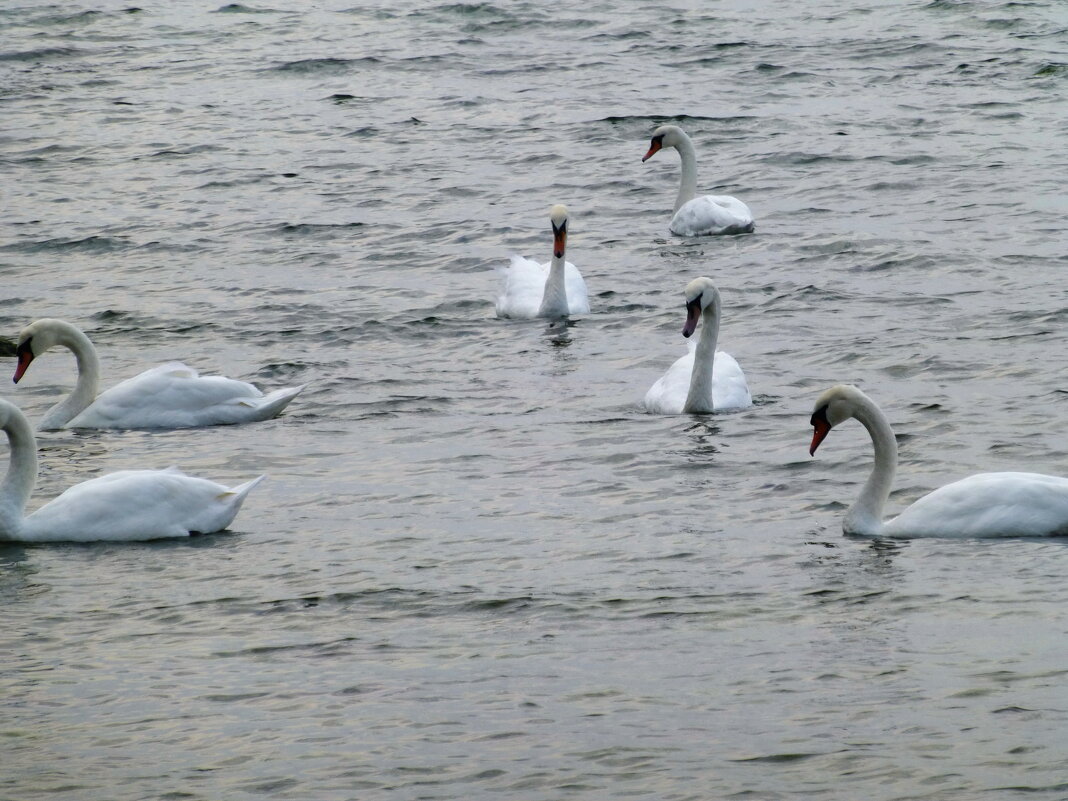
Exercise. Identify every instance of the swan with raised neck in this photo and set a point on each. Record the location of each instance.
(712, 380)
(554, 299)
(128, 505)
(553, 290)
(171, 395)
(983, 505)
(707, 215)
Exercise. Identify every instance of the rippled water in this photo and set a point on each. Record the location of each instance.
(478, 570)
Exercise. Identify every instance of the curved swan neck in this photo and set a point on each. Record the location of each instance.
(554, 299)
(865, 516)
(688, 180)
(21, 474)
(85, 389)
(699, 398)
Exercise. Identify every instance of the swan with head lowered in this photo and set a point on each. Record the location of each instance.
(983, 505)
(708, 215)
(704, 380)
(168, 396)
(552, 290)
(124, 506)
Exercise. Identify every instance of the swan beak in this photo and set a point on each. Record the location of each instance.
(559, 239)
(654, 146)
(25, 356)
(693, 316)
(822, 428)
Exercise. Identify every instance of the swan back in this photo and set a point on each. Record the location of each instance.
(135, 505)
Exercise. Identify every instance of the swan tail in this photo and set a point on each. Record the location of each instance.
(272, 404)
(241, 491)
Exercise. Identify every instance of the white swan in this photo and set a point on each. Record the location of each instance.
(704, 380)
(698, 216)
(551, 290)
(128, 505)
(168, 396)
(983, 505)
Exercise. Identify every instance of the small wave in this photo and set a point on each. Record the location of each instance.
(69, 19)
(778, 758)
(238, 8)
(315, 229)
(42, 54)
(186, 151)
(1052, 70)
(312, 66)
(89, 244)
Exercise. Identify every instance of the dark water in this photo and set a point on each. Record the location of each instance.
(478, 569)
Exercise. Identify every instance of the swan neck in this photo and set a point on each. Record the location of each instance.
(21, 475)
(85, 389)
(699, 398)
(688, 179)
(865, 516)
(554, 298)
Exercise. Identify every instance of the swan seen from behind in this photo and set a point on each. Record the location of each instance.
(552, 290)
(707, 215)
(124, 506)
(704, 380)
(170, 395)
(983, 505)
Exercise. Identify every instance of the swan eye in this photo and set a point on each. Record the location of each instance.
(819, 417)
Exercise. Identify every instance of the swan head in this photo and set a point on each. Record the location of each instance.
(558, 217)
(664, 136)
(34, 340)
(700, 294)
(834, 406)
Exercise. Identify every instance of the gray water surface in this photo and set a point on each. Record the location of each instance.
(478, 570)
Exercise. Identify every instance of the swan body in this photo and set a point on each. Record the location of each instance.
(123, 506)
(171, 395)
(704, 380)
(552, 290)
(707, 215)
(984, 505)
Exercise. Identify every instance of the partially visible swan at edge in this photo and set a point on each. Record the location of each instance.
(124, 506)
(983, 505)
(168, 396)
(550, 290)
(704, 380)
(707, 215)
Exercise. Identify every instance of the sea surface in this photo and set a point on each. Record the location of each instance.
(478, 569)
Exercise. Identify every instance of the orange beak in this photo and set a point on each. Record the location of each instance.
(559, 240)
(821, 429)
(25, 356)
(653, 147)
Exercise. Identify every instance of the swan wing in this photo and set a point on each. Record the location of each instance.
(522, 288)
(578, 299)
(173, 395)
(988, 505)
(729, 387)
(668, 394)
(137, 505)
(711, 215)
